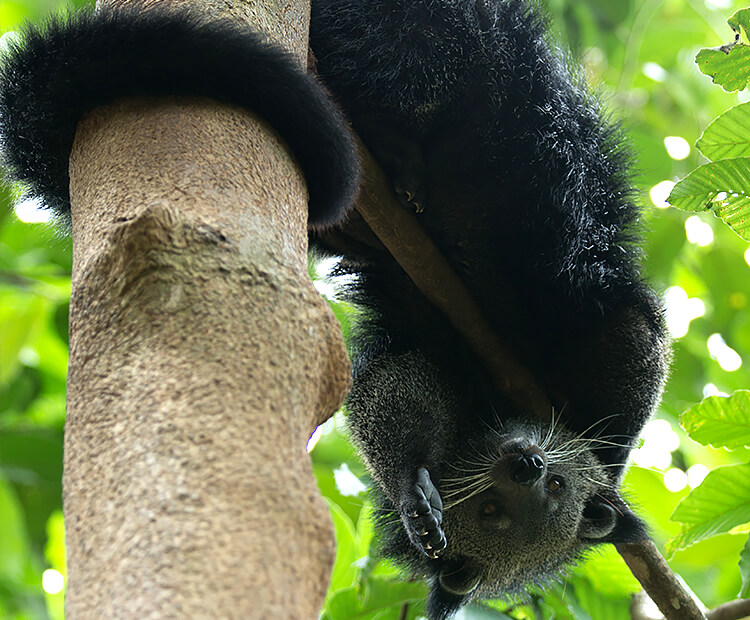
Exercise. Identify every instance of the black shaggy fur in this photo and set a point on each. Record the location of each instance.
(57, 71)
(523, 184)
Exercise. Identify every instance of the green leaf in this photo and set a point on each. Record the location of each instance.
(740, 22)
(365, 529)
(720, 503)
(722, 187)
(344, 572)
(728, 135)
(343, 604)
(607, 572)
(728, 65)
(720, 421)
(745, 570)
(380, 595)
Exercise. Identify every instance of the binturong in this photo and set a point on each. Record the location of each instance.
(518, 510)
(484, 506)
(489, 136)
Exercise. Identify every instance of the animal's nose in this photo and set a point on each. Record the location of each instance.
(527, 469)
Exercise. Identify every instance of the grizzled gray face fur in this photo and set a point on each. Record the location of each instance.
(523, 504)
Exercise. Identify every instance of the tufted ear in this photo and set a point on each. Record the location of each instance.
(607, 518)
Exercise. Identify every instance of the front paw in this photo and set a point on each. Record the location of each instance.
(410, 196)
(422, 515)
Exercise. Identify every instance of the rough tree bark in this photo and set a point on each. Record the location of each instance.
(201, 360)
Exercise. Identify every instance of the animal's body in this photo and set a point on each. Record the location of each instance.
(520, 182)
(524, 186)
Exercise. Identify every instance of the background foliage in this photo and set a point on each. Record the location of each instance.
(641, 53)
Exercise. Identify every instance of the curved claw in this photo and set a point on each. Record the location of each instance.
(422, 514)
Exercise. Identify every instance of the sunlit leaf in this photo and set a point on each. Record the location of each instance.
(11, 15)
(721, 502)
(745, 570)
(728, 65)
(722, 187)
(380, 594)
(727, 135)
(365, 529)
(344, 603)
(344, 572)
(720, 421)
(740, 22)
(608, 573)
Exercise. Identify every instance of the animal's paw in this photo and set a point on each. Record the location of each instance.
(407, 172)
(422, 514)
(410, 195)
(399, 154)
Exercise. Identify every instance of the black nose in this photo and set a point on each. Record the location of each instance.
(527, 469)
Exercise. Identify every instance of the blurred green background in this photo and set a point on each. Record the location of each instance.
(640, 55)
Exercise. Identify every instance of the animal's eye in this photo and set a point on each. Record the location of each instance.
(555, 484)
(488, 509)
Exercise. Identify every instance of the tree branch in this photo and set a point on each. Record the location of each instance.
(190, 329)
(733, 610)
(640, 609)
(420, 258)
(412, 248)
(652, 571)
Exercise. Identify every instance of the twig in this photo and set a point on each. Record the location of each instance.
(404, 613)
(641, 609)
(420, 258)
(399, 231)
(733, 610)
(651, 570)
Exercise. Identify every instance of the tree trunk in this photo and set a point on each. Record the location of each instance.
(201, 360)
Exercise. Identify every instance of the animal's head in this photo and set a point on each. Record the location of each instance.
(521, 507)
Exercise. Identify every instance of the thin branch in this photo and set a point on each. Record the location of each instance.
(641, 609)
(420, 258)
(733, 610)
(404, 613)
(399, 231)
(652, 571)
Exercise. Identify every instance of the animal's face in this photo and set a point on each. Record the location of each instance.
(520, 508)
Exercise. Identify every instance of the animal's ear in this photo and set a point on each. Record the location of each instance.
(607, 518)
(451, 589)
(459, 578)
